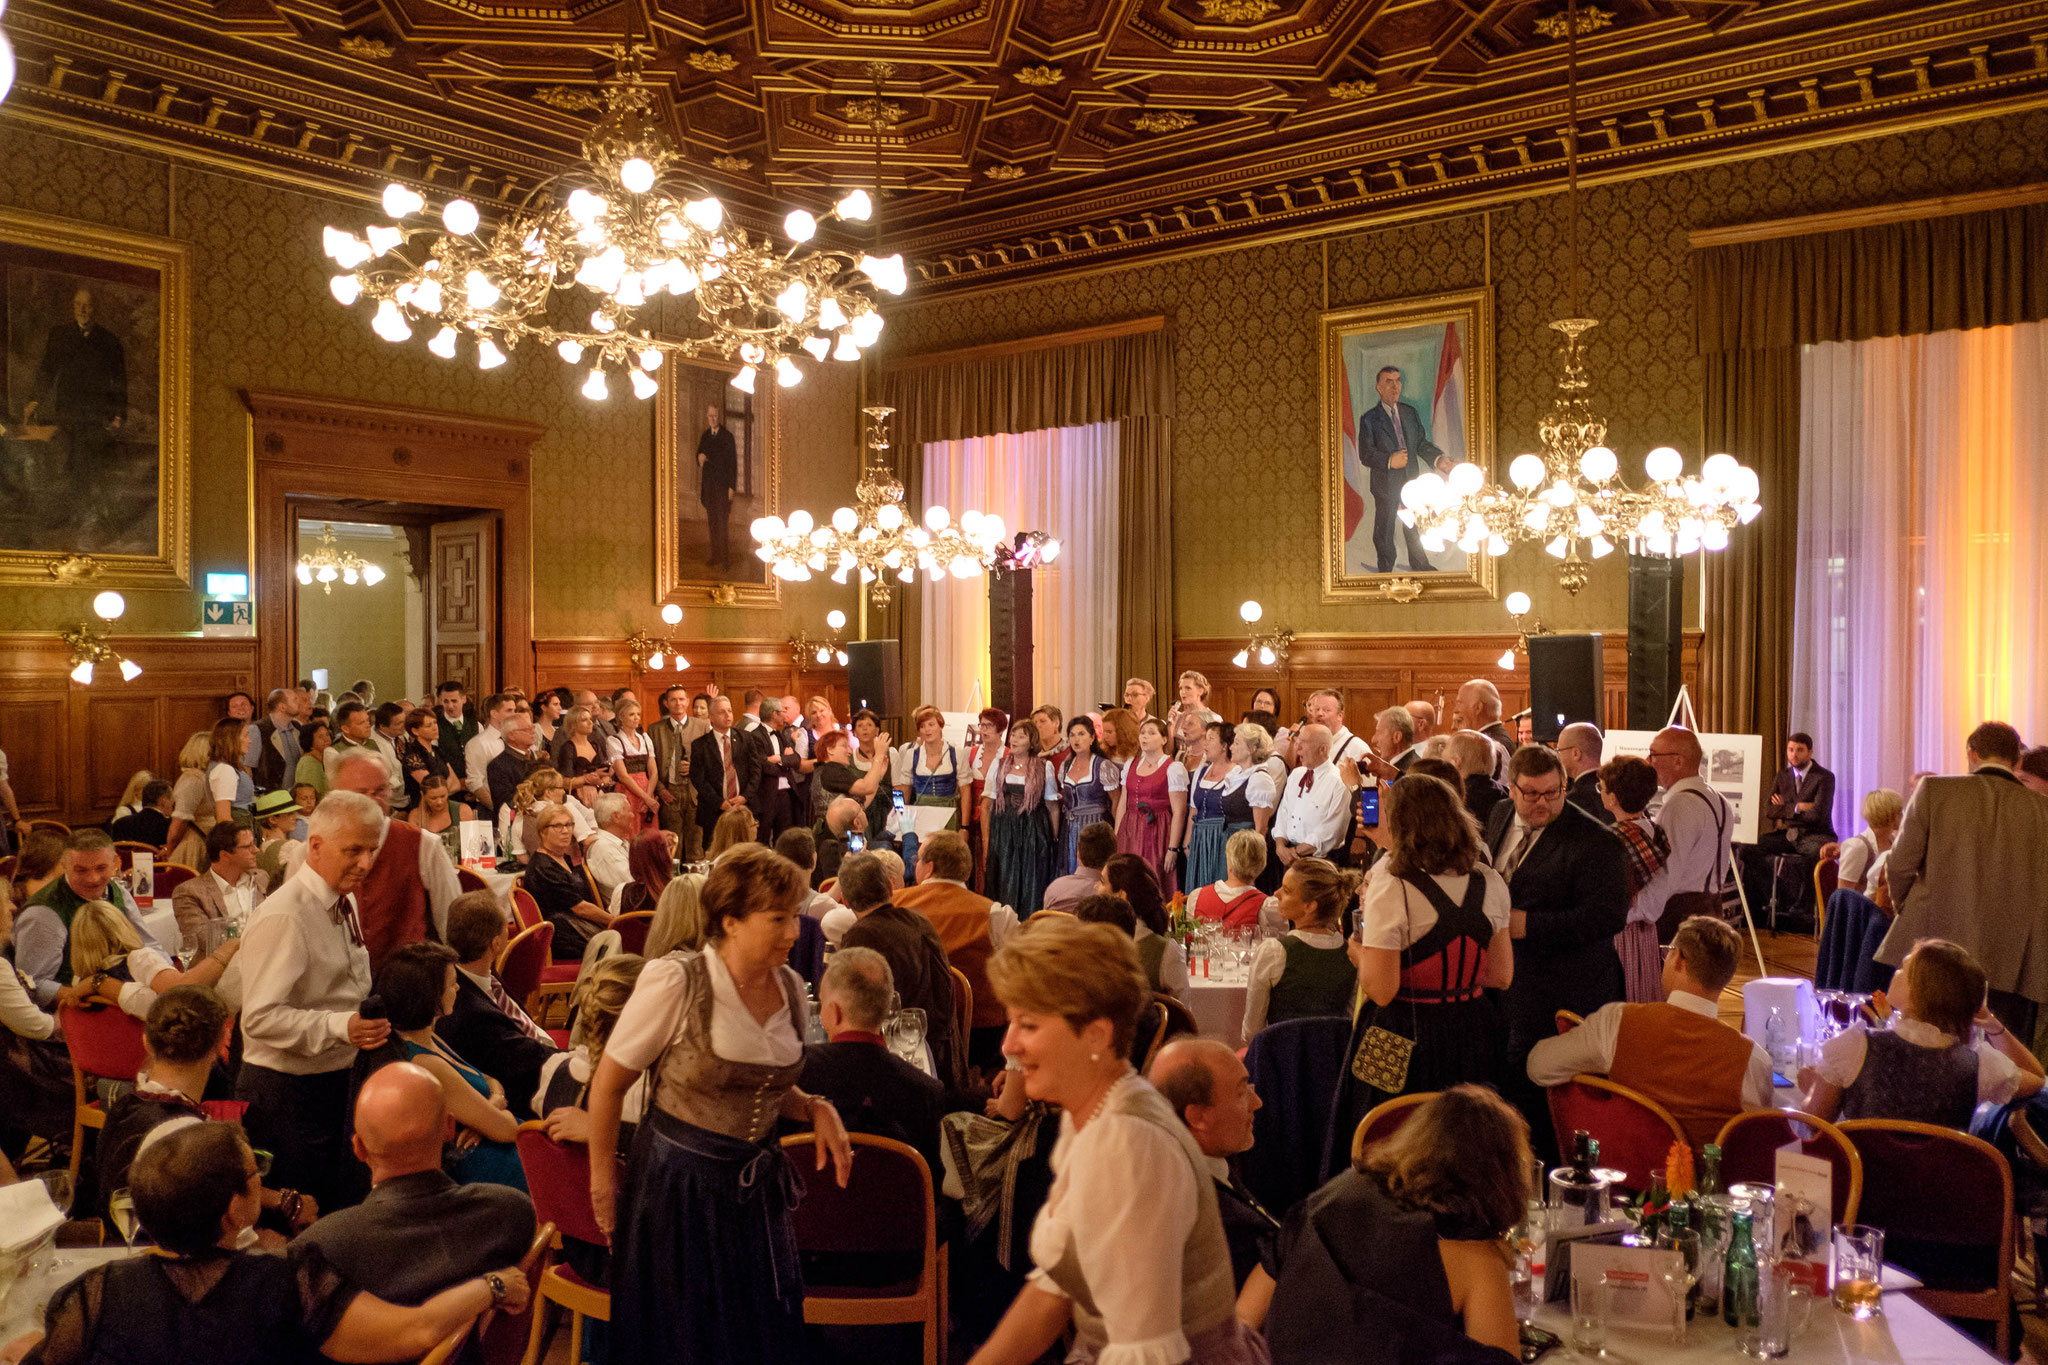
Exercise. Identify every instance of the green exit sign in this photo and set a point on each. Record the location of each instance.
(235, 616)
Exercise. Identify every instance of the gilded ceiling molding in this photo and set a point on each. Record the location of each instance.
(369, 49)
(726, 162)
(1040, 75)
(569, 98)
(1163, 121)
(1351, 90)
(1002, 171)
(1237, 11)
(1591, 20)
(712, 62)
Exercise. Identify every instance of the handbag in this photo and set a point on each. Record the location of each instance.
(1382, 1056)
(1709, 900)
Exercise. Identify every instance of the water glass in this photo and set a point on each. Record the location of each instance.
(1858, 1270)
(1781, 1309)
(1592, 1301)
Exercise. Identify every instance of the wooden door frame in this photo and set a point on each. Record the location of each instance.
(301, 446)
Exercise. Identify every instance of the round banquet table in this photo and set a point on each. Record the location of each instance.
(1907, 1334)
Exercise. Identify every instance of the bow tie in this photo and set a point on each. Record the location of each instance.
(1308, 780)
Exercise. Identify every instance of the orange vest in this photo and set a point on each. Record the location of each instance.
(392, 901)
(1692, 1065)
(961, 917)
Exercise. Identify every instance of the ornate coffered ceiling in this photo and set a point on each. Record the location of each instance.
(1023, 136)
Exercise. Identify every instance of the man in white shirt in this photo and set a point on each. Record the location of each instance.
(1696, 821)
(1315, 805)
(305, 972)
(1677, 1052)
(388, 734)
(607, 852)
(487, 745)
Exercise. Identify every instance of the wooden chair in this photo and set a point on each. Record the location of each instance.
(1067, 913)
(558, 1180)
(886, 1210)
(469, 881)
(963, 1001)
(1566, 1021)
(1179, 1019)
(1382, 1121)
(1827, 875)
(1750, 1142)
(501, 1337)
(1150, 1035)
(451, 1345)
(56, 827)
(633, 927)
(825, 887)
(128, 848)
(2033, 1149)
(103, 1042)
(1936, 1192)
(519, 965)
(525, 908)
(8, 866)
(1635, 1131)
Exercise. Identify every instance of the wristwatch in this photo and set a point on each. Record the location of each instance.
(497, 1284)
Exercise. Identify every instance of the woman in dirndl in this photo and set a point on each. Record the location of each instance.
(1020, 810)
(632, 758)
(1208, 820)
(1154, 806)
(1088, 783)
(934, 772)
(704, 1259)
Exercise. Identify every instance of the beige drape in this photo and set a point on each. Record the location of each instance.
(1122, 373)
(1756, 303)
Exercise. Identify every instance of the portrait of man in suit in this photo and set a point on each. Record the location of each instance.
(1394, 447)
(718, 469)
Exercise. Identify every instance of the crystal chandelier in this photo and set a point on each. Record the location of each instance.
(875, 536)
(328, 561)
(632, 227)
(1570, 494)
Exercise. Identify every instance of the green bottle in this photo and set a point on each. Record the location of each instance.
(1710, 1170)
(1739, 1307)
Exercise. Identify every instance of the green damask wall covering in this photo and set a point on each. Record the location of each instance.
(262, 318)
(1246, 455)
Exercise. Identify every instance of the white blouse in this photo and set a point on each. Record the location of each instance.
(654, 1017)
(632, 1108)
(1176, 774)
(1261, 789)
(18, 1010)
(619, 746)
(1123, 1200)
(1067, 765)
(221, 781)
(1394, 914)
(1051, 789)
(145, 965)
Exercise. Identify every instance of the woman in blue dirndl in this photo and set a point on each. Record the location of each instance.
(1087, 783)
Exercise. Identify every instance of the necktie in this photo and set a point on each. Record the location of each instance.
(1308, 781)
(732, 779)
(1516, 852)
(514, 1013)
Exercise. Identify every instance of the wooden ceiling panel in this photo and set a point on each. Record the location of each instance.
(1022, 136)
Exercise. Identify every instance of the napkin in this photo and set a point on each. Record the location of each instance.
(26, 1213)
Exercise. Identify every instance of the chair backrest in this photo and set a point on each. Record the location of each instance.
(558, 1181)
(1934, 1186)
(963, 999)
(519, 966)
(1634, 1131)
(1293, 1066)
(45, 825)
(1067, 913)
(104, 1042)
(886, 1207)
(632, 929)
(128, 848)
(1149, 1036)
(1382, 1121)
(469, 881)
(2026, 1139)
(7, 866)
(825, 887)
(1179, 1018)
(1566, 1021)
(169, 877)
(525, 907)
(1751, 1140)
(1827, 875)
(450, 1345)
(501, 1337)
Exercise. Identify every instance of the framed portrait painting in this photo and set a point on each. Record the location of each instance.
(1407, 389)
(95, 453)
(718, 466)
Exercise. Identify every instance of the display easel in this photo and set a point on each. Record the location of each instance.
(1682, 713)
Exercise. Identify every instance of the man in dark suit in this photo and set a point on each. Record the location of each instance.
(1393, 448)
(419, 1232)
(724, 768)
(1568, 880)
(672, 736)
(513, 763)
(1798, 819)
(487, 1026)
(1207, 1085)
(718, 472)
(875, 1091)
(773, 799)
(917, 960)
(1580, 745)
(81, 387)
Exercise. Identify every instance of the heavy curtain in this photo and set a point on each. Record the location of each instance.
(1121, 373)
(1064, 478)
(1922, 590)
(1756, 304)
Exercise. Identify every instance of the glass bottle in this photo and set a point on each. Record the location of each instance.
(1709, 1180)
(1656, 1203)
(1576, 1190)
(1676, 1234)
(1739, 1307)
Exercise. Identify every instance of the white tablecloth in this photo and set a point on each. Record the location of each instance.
(1218, 1006)
(23, 1309)
(1907, 1334)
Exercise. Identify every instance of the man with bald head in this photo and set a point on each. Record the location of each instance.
(1582, 746)
(1212, 1092)
(418, 1232)
(1696, 822)
(1478, 708)
(1315, 805)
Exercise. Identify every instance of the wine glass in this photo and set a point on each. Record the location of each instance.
(188, 951)
(121, 1208)
(910, 1025)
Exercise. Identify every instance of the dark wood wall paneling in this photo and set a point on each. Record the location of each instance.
(735, 665)
(1377, 671)
(71, 749)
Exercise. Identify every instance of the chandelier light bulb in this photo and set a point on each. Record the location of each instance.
(443, 344)
(345, 288)
(1250, 613)
(865, 328)
(400, 202)
(650, 359)
(831, 317)
(1663, 464)
(937, 518)
(656, 660)
(1242, 658)
(889, 516)
(1719, 471)
(836, 619)
(1603, 547)
(637, 175)
(1599, 464)
(382, 238)
(886, 271)
(841, 657)
(1556, 548)
(305, 573)
(818, 346)
(460, 217)
(335, 244)
(630, 290)
(1265, 657)
(594, 388)
(824, 654)
(109, 605)
(787, 374)
(800, 522)
(389, 323)
(705, 213)
(752, 353)
(372, 575)
(845, 350)
(1496, 546)
(570, 350)
(800, 227)
(1507, 660)
(481, 290)
(856, 206)
(488, 356)
(130, 670)
(644, 385)
(744, 380)
(348, 576)
(327, 574)
(794, 301)
(584, 207)
(1714, 537)
(1517, 604)
(1526, 472)
(601, 322)
(671, 614)
(427, 297)
(82, 675)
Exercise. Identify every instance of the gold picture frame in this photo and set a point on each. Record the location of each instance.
(684, 572)
(1438, 351)
(78, 503)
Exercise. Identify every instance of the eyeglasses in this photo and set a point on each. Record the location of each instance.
(1653, 755)
(1554, 794)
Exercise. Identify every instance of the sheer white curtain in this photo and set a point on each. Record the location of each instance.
(1921, 600)
(1063, 481)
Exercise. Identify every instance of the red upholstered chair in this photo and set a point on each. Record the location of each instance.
(128, 848)
(502, 1338)
(633, 927)
(558, 1180)
(519, 966)
(1750, 1141)
(1635, 1132)
(169, 877)
(103, 1042)
(883, 1221)
(1382, 1121)
(524, 908)
(1827, 875)
(469, 881)
(1944, 1200)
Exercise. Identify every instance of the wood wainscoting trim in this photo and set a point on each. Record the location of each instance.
(735, 665)
(1377, 671)
(71, 749)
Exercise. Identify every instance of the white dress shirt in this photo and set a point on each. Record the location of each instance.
(1590, 1048)
(437, 874)
(484, 746)
(303, 975)
(1315, 818)
(1698, 830)
(608, 858)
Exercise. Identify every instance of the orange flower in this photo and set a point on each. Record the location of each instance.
(1678, 1174)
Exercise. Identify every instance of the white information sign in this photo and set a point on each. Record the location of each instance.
(1733, 766)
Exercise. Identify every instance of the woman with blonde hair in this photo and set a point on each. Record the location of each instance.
(1128, 1247)
(131, 795)
(631, 752)
(585, 763)
(1254, 794)
(542, 787)
(678, 918)
(737, 826)
(1307, 972)
(108, 954)
(1862, 856)
(194, 810)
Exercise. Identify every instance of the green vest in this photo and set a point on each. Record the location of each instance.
(1316, 981)
(1151, 952)
(59, 898)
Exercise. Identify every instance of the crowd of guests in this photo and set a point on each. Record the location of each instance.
(354, 1032)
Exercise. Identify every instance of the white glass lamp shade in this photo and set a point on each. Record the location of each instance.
(671, 614)
(637, 175)
(786, 373)
(305, 573)
(1599, 464)
(1720, 471)
(130, 670)
(382, 238)
(644, 385)
(836, 619)
(1250, 613)
(1242, 658)
(856, 206)
(799, 226)
(595, 388)
(585, 208)
(460, 217)
(744, 380)
(400, 202)
(488, 356)
(844, 520)
(109, 605)
(82, 675)
(1507, 660)
(1663, 464)
(656, 660)
(705, 213)
(372, 575)
(1466, 478)
(1526, 473)
(345, 288)
(1517, 604)
(443, 344)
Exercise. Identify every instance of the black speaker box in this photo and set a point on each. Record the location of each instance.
(874, 677)
(1564, 682)
(1656, 626)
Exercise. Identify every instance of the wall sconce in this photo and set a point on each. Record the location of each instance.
(1270, 647)
(89, 644)
(1517, 604)
(650, 654)
(804, 651)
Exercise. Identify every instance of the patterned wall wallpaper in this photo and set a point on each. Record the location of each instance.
(1246, 452)
(262, 318)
